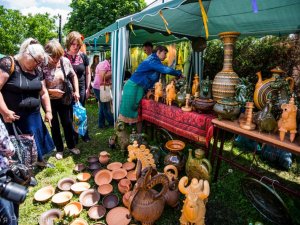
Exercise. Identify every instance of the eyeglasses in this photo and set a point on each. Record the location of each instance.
(37, 62)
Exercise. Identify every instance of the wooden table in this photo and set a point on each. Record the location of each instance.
(223, 126)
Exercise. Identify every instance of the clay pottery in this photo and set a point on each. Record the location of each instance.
(205, 89)
(227, 108)
(83, 176)
(170, 93)
(96, 212)
(124, 185)
(73, 209)
(48, 217)
(89, 198)
(79, 187)
(44, 194)
(180, 97)
(79, 167)
(225, 81)
(265, 119)
(118, 216)
(94, 166)
(125, 199)
(99, 223)
(131, 175)
(110, 201)
(95, 172)
(79, 221)
(119, 174)
(195, 86)
(104, 157)
(92, 159)
(114, 166)
(105, 189)
(103, 177)
(203, 105)
(158, 90)
(65, 184)
(62, 198)
(128, 166)
(174, 157)
(172, 195)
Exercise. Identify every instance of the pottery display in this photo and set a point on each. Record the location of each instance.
(95, 172)
(79, 167)
(193, 210)
(195, 86)
(73, 209)
(89, 198)
(226, 80)
(125, 198)
(79, 221)
(158, 90)
(105, 189)
(180, 97)
(227, 108)
(172, 195)
(44, 194)
(203, 105)
(122, 135)
(79, 187)
(124, 185)
(131, 175)
(187, 107)
(92, 159)
(247, 123)
(174, 157)
(198, 167)
(128, 166)
(287, 121)
(206, 88)
(265, 119)
(110, 201)
(94, 166)
(136, 152)
(62, 198)
(103, 177)
(118, 216)
(114, 166)
(65, 184)
(119, 174)
(96, 212)
(83, 176)
(48, 217)
(170, 93)
(104, 157)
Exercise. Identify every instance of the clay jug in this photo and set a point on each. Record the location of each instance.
(225, 81)
(104, 157)
(172, 195)
(124, 185)
(180, 97)
(198, 167)
(146, 204)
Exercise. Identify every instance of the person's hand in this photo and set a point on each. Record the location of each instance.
(10, 116)
(56, 93)
(87, 93)
(182, 76)
(76, 96)
(48, 117)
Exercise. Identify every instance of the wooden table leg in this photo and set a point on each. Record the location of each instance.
(220, 154)
(215, 146)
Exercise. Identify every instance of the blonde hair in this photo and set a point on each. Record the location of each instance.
(54, 49)
(73, 36)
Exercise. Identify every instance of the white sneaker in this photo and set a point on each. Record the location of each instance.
(59, 155)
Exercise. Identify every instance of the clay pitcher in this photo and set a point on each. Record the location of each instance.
(146, 204)
(172, 195)
(104, 157)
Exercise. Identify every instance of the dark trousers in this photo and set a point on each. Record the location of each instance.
(64, 113)
(8, 212)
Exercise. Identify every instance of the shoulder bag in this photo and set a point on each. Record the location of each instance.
(105, 92)
(67, 87)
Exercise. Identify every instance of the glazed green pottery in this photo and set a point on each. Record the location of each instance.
(227, 108)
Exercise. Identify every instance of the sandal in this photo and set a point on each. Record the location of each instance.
(59, 155)
(75, 151)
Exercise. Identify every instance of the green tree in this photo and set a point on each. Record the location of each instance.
(91, 16)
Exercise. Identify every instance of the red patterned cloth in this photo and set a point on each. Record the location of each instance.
(191, 125)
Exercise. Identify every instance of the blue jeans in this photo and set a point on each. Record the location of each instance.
(104, 111)
(8, 212)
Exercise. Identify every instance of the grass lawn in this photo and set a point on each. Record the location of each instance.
(227, 204)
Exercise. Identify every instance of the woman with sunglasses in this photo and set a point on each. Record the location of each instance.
(22, 91)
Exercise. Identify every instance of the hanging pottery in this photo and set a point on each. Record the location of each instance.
(225, 81)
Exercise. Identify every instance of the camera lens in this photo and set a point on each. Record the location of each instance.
(14, 192)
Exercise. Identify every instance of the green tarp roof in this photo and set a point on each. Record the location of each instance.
(277, 17)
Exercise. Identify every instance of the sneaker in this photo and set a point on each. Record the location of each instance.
(59, 155)
(86, 139)
(75, 151)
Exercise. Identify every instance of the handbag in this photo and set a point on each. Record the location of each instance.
(67, 97)
(105, 92)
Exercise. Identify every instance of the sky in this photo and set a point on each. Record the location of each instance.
(53, 7)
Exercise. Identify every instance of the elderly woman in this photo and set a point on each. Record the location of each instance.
(54, 77)
(80, 63)
(22, 91)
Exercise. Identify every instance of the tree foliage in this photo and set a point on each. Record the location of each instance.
(15, 27)
(91, 16)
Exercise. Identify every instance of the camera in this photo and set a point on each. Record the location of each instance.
(10, 190)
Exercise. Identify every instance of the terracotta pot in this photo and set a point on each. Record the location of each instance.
(79, 187)
(128, 166)
(124, 185)
(62, 198)
(92, 159)
(94, 166)
(103, 177)
(118, 216)
(73, 208)
(131, 175)
(79, 167)
(83, 176)
(119, 174)
(104, 157)
(174, 157)
(105, 189)
(227, 108)
(48, 217)
(65, 184)
(89, 198)
(125, 199)
(96, 212)
(79, 221)
(110, 201)
(203, 105)
(114, 166)
(44, 194)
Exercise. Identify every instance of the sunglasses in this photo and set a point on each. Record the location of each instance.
(37, 62)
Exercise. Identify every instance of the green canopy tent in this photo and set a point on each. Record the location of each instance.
(1, 55)
(184, 18)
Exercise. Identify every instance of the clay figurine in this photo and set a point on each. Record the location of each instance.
(187, 108)
(265, 119)
(195, 87)
(158, 93)
(122, 135)
(171, 93)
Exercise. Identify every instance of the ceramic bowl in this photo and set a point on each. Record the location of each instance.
(124, 185)
(99, 223)
(65, 184)
(79, 167)
(48, 217)
(119, 174)
(103, 177)
(79, 187)
(94, 166)
(44, 193)
(105, 189)
(131, 175)
(118, 216)
(114, 166)
(79, 221)
(83, 176)
(110, 201)
(96, 212)
(62, 198)
(175, 145)
(73, 208)
(125, 199)
(92, 159)
(89, 198)
(95, 172)
(128, 166)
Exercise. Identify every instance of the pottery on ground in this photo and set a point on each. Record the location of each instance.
(175, 145)
(65, 184)
(105, 189)
(79, 167)
(73, 208)
(94, 166)
(95, 172)
(125, 199)
(79, 187)
(119, 174)
(110, 201)
(89, 198)
(79, 221)
(114, 166)
(44, 194)
(128, 166)
(48, 217)
(62, 198)
(83, 176)
(124, 185)
(104, 157)
(92, 159)
(103, 177)
(96, 212)
(118, 216)
(131, 175)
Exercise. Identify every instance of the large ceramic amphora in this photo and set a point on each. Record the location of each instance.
(226, 80)
(146, 204)
(198, 167)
